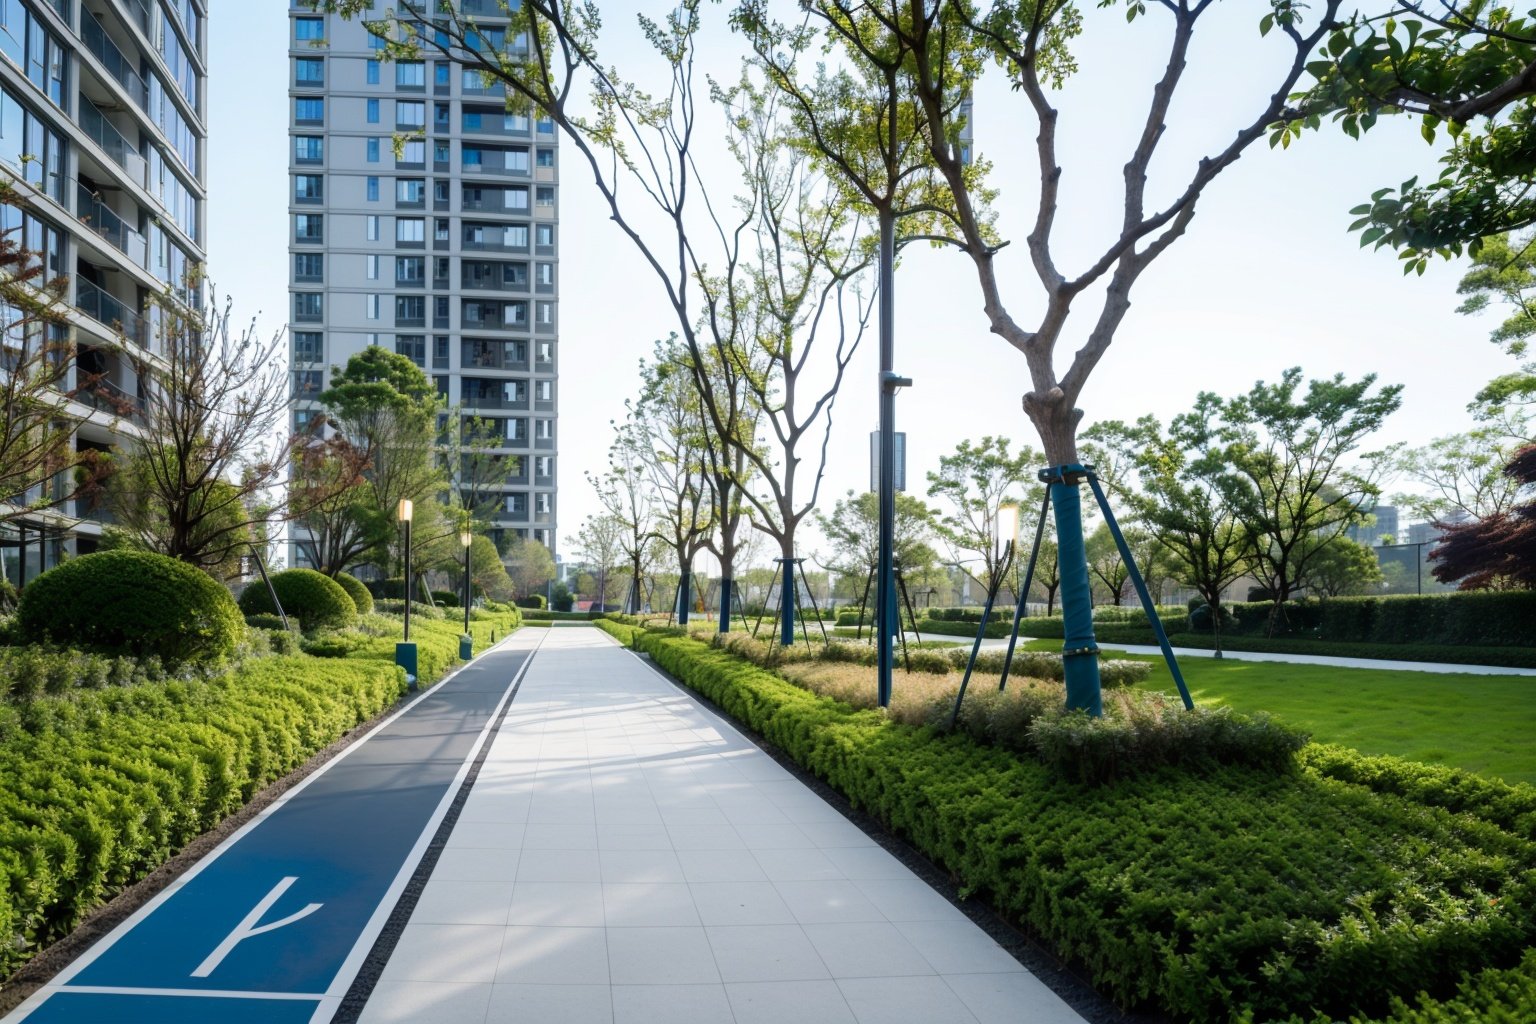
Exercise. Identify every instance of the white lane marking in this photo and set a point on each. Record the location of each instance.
(191, 993)
(60, 980)
(386, 907)
(249, 929)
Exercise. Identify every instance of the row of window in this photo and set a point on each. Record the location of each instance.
(310, 188)
(30, 146)
(310, 149)
(309, 347)
(26, 40)
(44, 242)
(411, 270)
(309, 307)
(411, 231)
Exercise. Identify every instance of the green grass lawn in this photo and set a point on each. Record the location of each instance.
(1486, 724)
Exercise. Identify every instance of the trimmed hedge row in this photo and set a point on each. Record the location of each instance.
(315, 599)
(1209, 897)
(99, 789)
(1512, 657)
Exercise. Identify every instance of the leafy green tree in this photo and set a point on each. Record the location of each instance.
(1185, 499)
(1107, 566)
(1341, 567)
(1469, 67)
(853, 530)
(1499, 551)
(1294, 476)
(600, 544)
(1461, 476)
(1504, 273)
(529, 565)
(975, 482)
(486, 571)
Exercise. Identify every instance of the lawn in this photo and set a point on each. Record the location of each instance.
(1481, 723)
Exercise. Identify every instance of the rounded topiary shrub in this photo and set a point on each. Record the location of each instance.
(359, 594)
(134, 603)
(317, 600)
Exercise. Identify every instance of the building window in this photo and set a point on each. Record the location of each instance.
(546, 351)
(308, 305)
(517, 236)
(410, 229)
(309, 110)
(546, 312)
(410, 309)
(515, 123)
(308, 227)
(546, 195)
(308, 188)
(542, 503)
(410, 190)
(544, 390)
(410, 114)
(517, 430)
(546, 235)
(371, 307)
(413, 347)
(546, 126)
(514, 314)
(309, 30)
(546, 157)
(372, 114)
(373, 72)
(371, 188)
(308, 266)
(307, 384)
(470, 156)
(517, 159)
(414, 152)
(410, 74)
(308, 347)
(308, 149)
(309, 70)
(372, 230)
(440, 229)
(410, 270)
(372, 262)
(440, 354)
(547, 274)
(515, 199)
(544, 430)
(517, 504)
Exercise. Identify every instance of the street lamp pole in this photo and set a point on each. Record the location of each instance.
(465, 537)
(405, 651)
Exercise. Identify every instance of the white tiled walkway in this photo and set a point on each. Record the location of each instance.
(625, 856)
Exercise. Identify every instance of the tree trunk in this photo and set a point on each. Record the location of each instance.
(787, 595)
(684, 591)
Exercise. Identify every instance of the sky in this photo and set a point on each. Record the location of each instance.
(1266, 278)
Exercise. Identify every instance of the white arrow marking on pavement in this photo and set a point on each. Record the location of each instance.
(248, 927)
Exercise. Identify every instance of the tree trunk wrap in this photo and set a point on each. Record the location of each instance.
(1082, 670)
(684, 594)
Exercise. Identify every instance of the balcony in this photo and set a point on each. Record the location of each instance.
(494, 356)
(495, 401)
(111, 311)
(94, 34)
(103, 220)
(101, 394)
(140, 11)
(105, 134)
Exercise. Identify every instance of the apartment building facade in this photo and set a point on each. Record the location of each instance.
(103, 142)
(424, 219)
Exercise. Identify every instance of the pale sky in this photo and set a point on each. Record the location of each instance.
(1266, 278)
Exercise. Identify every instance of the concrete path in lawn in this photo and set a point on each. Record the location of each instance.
(1293, 659)
(626, 856)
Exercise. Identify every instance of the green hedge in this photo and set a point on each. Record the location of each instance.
(357, 591)
(1207, 897)
(134, 603)
(1512, 657)
(315, 599)
(1483, 619)
(530, 615)
(98, 789)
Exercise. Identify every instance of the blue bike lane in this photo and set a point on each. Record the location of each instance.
(272, 926)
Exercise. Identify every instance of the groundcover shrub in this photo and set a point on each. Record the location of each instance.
(361, 598)
(132, 603)
(318, 601)
(1224, 896)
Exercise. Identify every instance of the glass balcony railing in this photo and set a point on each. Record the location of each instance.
(103, 220)
(105, 134)
(111, 311)
(117, 65)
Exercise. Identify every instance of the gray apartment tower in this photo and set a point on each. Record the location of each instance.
(424, 219)
(103, 140)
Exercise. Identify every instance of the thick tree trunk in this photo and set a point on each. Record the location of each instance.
(684, 591)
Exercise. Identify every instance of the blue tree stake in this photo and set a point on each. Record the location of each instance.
(1029, 577)
(1141, 590)
(986, 616)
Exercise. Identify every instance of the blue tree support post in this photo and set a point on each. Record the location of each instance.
(684, 597)
(786, 601)
(1079, 649)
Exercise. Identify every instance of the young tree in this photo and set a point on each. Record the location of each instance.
(1185, 499)
(1461, 476)
(199, 482)
(336, 530)
(486, 571)
(975, 482)
(529, 566)
(1341, 567)
(1107, 566)
(629, 502)
(853, 530)
(952, 43)
(1290, 478)
(41, 468)
(1504, 273)
(599, 543)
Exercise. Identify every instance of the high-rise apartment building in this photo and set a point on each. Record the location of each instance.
(425, 220)
(103, 140)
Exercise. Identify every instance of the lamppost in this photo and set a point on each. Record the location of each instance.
(466, 644)
(405, 651)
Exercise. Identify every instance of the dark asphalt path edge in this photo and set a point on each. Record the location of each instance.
(1068, 981)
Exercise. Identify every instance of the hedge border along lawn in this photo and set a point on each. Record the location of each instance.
(1230, 896)
(98, 789)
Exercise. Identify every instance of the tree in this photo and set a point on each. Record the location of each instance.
(486, 571)
(1289, 479)
(480, 469)
(1499, 551)
(1186, 499)
(529, 565)
(1462, 476)
(1504, 272)
(599, 543)
(40, 465)
(951, 44)
(853, 531)
(1341, 567)
(629, 502)
(1468, 66)
(976, 481)
(199, 481)
(336, 529)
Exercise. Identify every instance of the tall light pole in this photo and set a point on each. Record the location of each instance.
(405, 651)
(466, 645)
